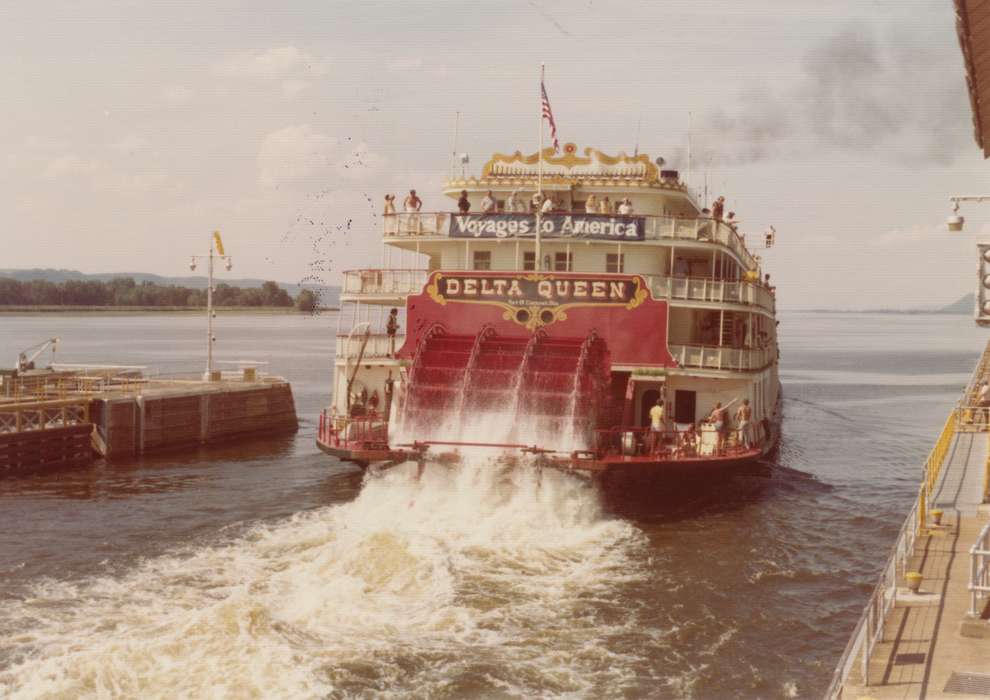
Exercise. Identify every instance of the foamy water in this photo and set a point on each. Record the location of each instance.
(432, 587)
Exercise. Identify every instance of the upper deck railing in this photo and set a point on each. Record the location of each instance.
(369, 285)
(657, 228)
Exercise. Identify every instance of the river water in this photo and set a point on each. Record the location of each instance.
(266, 569)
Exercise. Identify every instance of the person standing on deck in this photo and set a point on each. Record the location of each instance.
(719, 418)
(389, 205)
(744, 414)
(489, 205)
(412, 204)
(463, 205)
(591, 205)
(605, 206)
(547, 206)
(656, 426)
(389, 391)
(512, 202)
(983, 401)
(717, 208)
(391, 328)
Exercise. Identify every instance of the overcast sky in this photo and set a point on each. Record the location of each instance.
(130, 130)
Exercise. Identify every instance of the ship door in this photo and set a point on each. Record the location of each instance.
(646, 402)
(685, 406)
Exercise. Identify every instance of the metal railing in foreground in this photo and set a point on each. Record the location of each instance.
(869, 630)
(979, 570)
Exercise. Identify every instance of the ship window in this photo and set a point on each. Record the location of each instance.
(529, 260)
(615, 262)
(482, 260)
(562, 262)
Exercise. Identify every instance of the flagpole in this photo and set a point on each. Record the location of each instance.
(539, 181)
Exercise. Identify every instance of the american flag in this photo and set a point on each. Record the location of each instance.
(548, 115)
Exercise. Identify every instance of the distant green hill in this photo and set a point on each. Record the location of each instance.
(963, 306)
(328, 295)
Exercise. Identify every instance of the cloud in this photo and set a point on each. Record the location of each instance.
(300, 157)
(272, 64)
(130, 144)
(294, 87)
(403, 64)
(71, 165)
(854, 92)
(175, 95)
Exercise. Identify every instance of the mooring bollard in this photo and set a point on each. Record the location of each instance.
(913, 579)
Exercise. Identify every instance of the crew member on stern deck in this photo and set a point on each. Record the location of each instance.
(656, 427)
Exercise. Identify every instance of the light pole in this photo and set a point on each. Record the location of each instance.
(955, 221)
(216, 252)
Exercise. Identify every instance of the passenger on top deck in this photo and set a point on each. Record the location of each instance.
(547, 205)
(591, 205)
(463, 205)
(625, 207)
(513, 203)
(536, 202)
(412, 202)
(489, 205)
(389, 205)
(605, 206)
(717, 208)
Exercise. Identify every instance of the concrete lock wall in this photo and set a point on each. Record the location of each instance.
(134, 425)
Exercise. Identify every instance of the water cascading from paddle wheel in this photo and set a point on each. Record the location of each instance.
(532, 389)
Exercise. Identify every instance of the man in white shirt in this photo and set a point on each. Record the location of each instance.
(656, 426)
(547, 206)
(591, 205)
(488, 204)
(626, 209)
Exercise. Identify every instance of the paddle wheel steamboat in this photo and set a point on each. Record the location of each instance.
(558, 345)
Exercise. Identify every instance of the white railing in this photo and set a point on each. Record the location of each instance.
(979, 570)
(384, 283)
(437, 224)
(711, 290)
(379, 346)
(724, 358)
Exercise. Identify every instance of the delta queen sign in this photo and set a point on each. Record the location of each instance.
(619, 308)
(594, 226)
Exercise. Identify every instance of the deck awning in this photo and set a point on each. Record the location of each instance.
(973, 28)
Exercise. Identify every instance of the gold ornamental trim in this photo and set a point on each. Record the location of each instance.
(533, 314)
(569, 159)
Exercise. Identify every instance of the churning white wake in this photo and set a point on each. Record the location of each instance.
(475, 580)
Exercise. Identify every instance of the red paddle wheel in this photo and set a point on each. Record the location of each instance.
(518, 387)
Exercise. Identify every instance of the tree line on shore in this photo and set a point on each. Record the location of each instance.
(124, 291)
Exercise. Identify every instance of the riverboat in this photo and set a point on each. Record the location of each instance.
(553, 330)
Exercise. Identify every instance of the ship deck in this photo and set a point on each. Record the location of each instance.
(930, 643)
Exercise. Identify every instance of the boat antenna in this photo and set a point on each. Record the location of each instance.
(453, 153)
(689, 151)
(638, 124)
